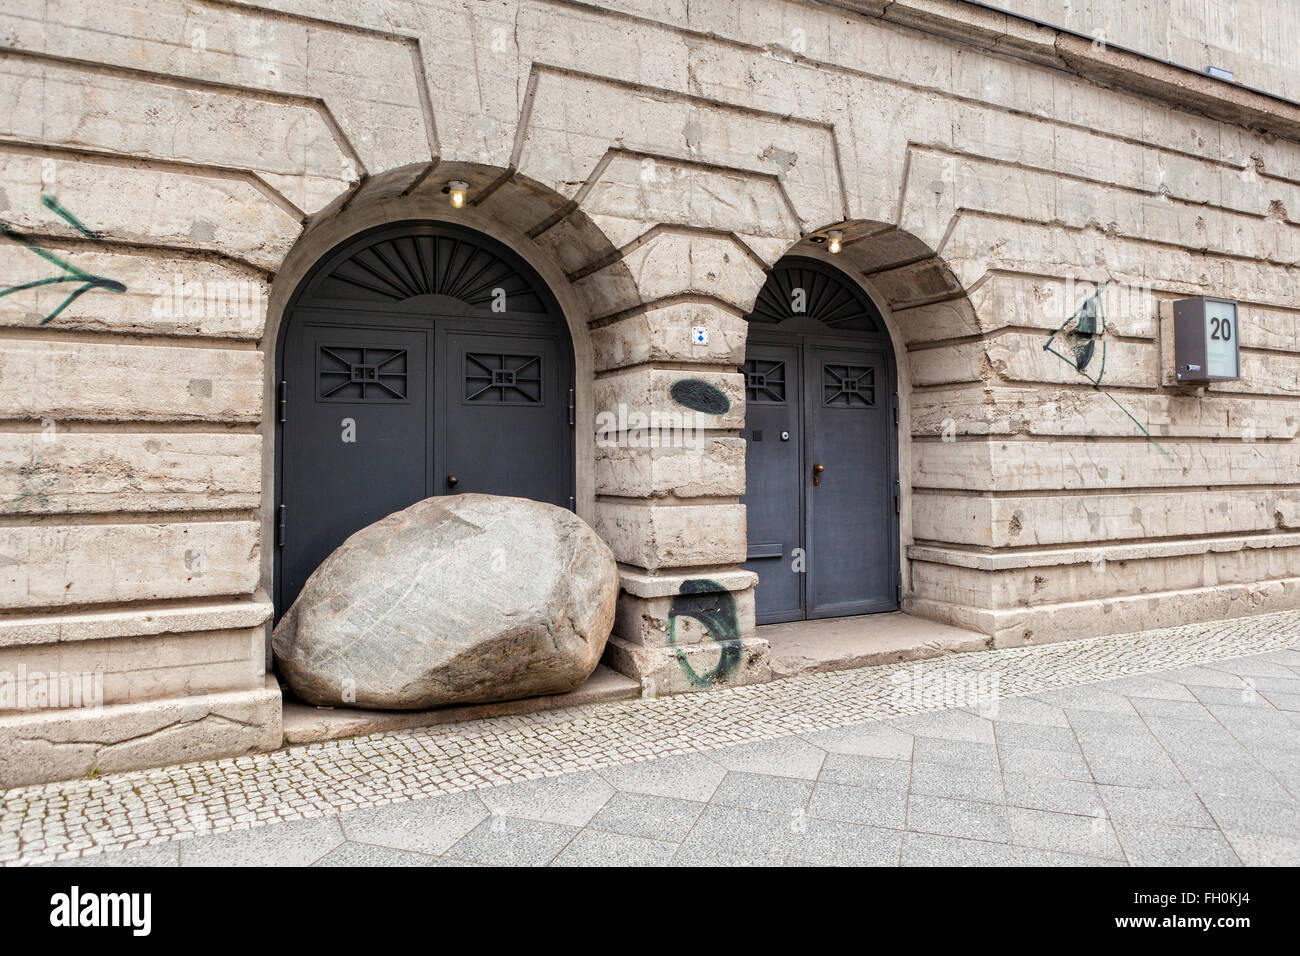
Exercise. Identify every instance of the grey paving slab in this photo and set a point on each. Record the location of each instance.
(1012, 735)
(1058, 764)
(602, 848)
(1173, 806)
(1029, 856)
(1158, 844)
(690, 777)
(784, 757)
(927, 849)
(505, 841)
(948, 724)
(1047, 793)
(1249, 815)
(1087, 698)
(570, 799)
(697, 854)
(959, 783)
(1254, 849)
(366, 854)
(645, 815)
(1150, 686)
(296, 843)
(958, 818)
(754, 835)
(756, 791)
(1135, 771)
(857, 771)
(865, 740)
(1193, 677)
(1179, 709)
(428, 826)
(880, 808)
(976, 755)
(1029, 710)
(836, 843)
(1064, 833)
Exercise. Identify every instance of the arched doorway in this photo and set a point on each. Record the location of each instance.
(821, 457)
(416, 359)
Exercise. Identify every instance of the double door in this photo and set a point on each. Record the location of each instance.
(821, 488)
(378, 411)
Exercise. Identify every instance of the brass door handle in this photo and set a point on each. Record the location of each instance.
(817, 474)
(452, 481)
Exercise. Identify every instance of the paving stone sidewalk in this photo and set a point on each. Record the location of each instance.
(1177, 746)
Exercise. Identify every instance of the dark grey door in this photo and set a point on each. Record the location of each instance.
(848, 490)
(773, 478)
(417, 359)
(820, 478)
(357, 413)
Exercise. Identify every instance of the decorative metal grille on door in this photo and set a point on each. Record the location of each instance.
(348, 373)
(764, 382)
(503, 379)
(849, 386)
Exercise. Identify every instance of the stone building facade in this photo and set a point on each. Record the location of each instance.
(181, 167)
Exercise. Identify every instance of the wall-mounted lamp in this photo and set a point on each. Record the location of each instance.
(456, 190)
(835, 243)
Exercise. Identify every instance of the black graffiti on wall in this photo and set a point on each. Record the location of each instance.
(710, 605)
(69, 273)
(700, 396)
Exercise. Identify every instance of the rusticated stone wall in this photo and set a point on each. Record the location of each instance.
(652, 159)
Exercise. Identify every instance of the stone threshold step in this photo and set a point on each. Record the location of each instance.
(847, 643)
(307, 724)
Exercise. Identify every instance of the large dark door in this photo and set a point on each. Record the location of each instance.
(417, 360)
(356, 413)
(848, 491)
(821, 462)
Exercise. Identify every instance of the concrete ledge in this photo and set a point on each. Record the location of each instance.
(843, 643)
(157, 617)
(305, 724)
(1048, 623)
(48, 745)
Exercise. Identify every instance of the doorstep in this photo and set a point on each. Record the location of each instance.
(306, 724)
(843, 643)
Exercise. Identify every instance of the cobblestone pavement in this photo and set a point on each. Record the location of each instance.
(1175, 746)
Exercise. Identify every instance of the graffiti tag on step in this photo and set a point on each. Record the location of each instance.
(713, 608)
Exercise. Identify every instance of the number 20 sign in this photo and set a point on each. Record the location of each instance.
(1205, 340)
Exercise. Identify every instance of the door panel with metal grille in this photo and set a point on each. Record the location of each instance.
(773, 466)
(357, 414)
(504, 400)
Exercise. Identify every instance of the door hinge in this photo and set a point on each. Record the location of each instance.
(572, 410)
(894, 403)
(573, 503)
(896, 494)
(280, 525)
(898, 593)
(282, 400)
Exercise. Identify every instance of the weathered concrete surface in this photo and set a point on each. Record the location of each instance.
(454, 600)
(44, 745)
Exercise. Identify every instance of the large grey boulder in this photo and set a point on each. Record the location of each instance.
(458, 599)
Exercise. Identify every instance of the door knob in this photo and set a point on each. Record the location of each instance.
(817, 474)
(452, 481)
